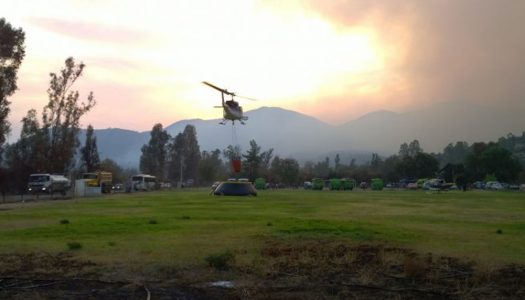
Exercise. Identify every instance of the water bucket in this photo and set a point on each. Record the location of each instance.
(236, 165)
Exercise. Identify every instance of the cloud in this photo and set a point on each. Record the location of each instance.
(455, 50)
(92, 31)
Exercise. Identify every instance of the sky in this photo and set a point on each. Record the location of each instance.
(335, 60)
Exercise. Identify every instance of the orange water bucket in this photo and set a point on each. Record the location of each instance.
(236, 165)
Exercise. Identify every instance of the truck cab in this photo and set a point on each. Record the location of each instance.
(48, 183)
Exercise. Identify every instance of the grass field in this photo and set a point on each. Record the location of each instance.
(182, 228)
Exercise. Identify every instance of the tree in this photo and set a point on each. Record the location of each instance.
(337, 162)
(266, 158)
(414, 148)
(252, 160)
(119, 175)
(27, 155)
(289, 171)
(210, 166)
(232, 152)
(376, 161)
(499, 162)
(184, 155)
(192, 153)
(455, 154)
(89, 153)
(62, 115)
(322, 169)
(422, 165)
(12, 52)
(153, 158)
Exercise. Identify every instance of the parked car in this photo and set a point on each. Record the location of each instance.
(514, 187)
(494, 185)
(307, 185)
(480, 185)
(522, 187)
(412, 186)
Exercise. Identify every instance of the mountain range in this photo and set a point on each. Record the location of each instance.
(304, 137)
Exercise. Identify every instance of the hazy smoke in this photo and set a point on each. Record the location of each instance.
(457, 50)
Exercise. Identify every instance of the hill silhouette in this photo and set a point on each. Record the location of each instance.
(304, 137)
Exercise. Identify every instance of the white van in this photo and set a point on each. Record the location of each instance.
(143, 182)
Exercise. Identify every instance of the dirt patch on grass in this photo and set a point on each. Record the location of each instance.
(315, 269)
(326, 269)
(62, 276)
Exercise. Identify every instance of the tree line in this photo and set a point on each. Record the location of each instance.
(178, 159)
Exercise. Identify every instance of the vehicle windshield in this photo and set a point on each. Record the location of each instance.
(39, 178)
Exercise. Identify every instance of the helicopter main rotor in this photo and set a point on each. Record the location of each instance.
(224, 91)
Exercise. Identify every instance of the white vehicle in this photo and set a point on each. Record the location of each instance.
(143, 182)
(48, 183)
(494, 185)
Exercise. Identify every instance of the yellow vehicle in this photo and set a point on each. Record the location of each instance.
(100, 178)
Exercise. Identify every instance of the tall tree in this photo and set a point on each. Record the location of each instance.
(375, 161)
(61, 116)
(289, 171)
(210, 166)
(27, 155)
(454, 153)
(337, 162)
(89, 153)
(153, 158)
(252, 160)
(184, 155)
(192, 153)
(12, 52)
(493, 160)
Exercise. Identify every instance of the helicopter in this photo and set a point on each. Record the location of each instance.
(231, 109)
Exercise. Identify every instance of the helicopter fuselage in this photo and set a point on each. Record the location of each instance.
(232, 111)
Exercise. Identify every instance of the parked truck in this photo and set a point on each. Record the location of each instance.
(48, 184)
(101, 179)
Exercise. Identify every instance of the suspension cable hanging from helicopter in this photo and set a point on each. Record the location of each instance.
(234, 135)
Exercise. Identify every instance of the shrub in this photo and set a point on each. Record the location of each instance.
(64, 221)
(74, 245)
(221, 261)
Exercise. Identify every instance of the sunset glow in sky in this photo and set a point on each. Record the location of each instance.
(335, 60)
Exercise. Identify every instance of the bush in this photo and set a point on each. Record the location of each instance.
(74, 245)
(222, 261)
(64, 221)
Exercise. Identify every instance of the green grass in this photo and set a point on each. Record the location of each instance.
(182, 228)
